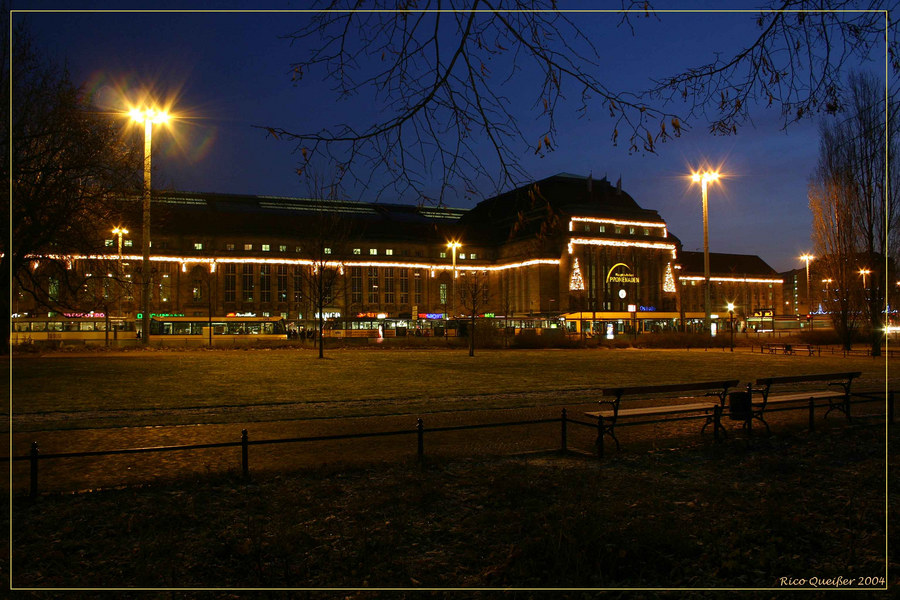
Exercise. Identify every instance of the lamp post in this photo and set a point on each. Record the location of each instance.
(454, 246)
(148, 117)
(806, 258)
(731, 315)
(120, 231)
(864, 273)
(703, 179)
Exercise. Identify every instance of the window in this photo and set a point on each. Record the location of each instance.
(418, 253)
(298, 283)
(298, 249)
(418, 286)
(473, 256)
(443, 293)
(587, 227)
(265, 283)
(462, 257)
(108, 243)
(404, 285)
(128, 243)
(266, 247)
(443, 255)
(373, 251)
(389, 285)
(230, 282)
(197, 291)
(373, 285)
(229, 246)
(165, 284)
(282, 248)
(248, 246)
(618, 229)
(356, 284)
(389, 252)
(281, 282)
(357, 251)
(247, 284)
(198, 245)
(602, 229)
(646, 231)
(631, 230)
(327, 250)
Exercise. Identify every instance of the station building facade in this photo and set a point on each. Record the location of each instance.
(566, 251)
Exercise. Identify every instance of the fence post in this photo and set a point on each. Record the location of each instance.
(33, 488)
(245, 454)
(599, 436)
(420, 434)
(812, 410)
(564, 424)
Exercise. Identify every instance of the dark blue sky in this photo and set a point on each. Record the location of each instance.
(228, 72)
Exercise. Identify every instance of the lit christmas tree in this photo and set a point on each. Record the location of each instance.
(576, 281)
(669, 282)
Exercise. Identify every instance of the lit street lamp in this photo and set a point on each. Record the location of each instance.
(731, 314)
(807, 257)
(703, 179)
(148, 117)
(864, 273)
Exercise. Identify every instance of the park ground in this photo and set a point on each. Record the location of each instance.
(670, 510)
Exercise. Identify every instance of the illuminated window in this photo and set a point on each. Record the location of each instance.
(356, 293)
(265, 283)
(298, 249)
(229, 246)
(247, 284)
(198, 246)
(266, 247)
(327, 250)
(618, 229)
(197, 292)
(404, 285)
(108, 243)
(443, 255)
(128, 243)
(248, 246)
(443, 293)
(373, 285)
(230, 282)
(373, 251)
(587, 227)
(281, 282)
(357, 251)
(631, 230)
(462, 257)
(646, 231)
(473, 256)
(602, 229)
(389, 252)
(282, 248)
(389, 285)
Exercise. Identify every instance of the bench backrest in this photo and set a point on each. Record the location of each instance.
(664, 389)
(768, 381)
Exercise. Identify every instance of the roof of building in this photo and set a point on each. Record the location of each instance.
(725, 265)
(205, 214)
(544, 206)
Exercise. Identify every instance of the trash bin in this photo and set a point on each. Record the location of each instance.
(739, 406)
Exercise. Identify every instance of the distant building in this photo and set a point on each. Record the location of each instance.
(567, 249)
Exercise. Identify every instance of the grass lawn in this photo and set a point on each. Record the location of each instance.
(169, 387)
(742, 514)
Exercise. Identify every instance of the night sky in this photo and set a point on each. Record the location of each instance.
(229, 72)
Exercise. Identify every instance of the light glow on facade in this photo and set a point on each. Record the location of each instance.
(620, 244)
(730, 279)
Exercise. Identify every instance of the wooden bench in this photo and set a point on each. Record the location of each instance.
(788, 348)
(838, 399)
(610, 411)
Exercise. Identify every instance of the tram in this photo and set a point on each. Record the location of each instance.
(70, 327)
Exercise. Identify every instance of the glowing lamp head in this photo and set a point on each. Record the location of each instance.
(730, 307)
(705, 177)
(120, 231)
(152, 115)
(865, 272)
(454, 245)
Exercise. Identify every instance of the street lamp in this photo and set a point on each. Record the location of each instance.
(864, 272)
(148, 117)
(703, 179)
(730, 308)
(807, 257)
(453, 246)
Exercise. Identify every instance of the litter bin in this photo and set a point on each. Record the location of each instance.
(740, 406)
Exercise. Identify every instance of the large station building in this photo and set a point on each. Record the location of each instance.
(566, 251)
